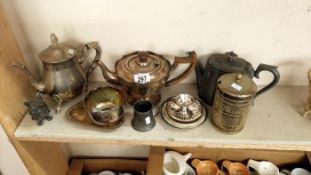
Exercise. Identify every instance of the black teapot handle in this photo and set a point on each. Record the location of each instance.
(273, 70)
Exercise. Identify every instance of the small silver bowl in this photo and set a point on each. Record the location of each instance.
(104, 106)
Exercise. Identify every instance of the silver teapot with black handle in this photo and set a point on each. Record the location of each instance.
(219, 64)
(63, 77)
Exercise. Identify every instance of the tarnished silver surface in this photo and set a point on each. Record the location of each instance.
(105, 106)
(183, 111)
(63, 77)
(233, 99)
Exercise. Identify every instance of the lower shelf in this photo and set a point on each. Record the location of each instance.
(154, 164)
(87, 166)
(274, 122)
(288, 159)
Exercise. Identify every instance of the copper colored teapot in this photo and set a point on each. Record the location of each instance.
(143, 74)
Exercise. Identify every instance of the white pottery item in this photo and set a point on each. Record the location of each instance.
(263, 167)
(296, 171)
(175, 163)
(107, 172)
(190, 170)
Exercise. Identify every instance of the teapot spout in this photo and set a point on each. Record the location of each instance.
(39, 86)
(108, 74)
(199, 73)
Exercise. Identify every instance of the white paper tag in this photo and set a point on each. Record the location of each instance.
(147, 120)
(142, 78)
(236, 86)
(71, 51)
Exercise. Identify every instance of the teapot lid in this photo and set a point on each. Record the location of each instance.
(230, 62)
(56, 52)
(143, 67)
(237, 85)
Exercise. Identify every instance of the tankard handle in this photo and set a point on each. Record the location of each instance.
(273, 70)
(191, 60)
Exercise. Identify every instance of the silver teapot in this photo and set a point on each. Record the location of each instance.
(63, 77)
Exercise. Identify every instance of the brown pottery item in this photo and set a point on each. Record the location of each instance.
(63, 77)
(234, 168)
(206, 167)
(143, 74)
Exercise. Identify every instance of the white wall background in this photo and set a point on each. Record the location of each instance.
(274, 32)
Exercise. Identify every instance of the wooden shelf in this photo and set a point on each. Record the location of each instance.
(274, 123)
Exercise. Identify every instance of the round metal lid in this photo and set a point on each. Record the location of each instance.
(183, 111)
(230, 62)
(237, 85)
(56, 52)
(143, 67)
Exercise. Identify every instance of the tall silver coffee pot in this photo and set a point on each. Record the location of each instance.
(63, 77)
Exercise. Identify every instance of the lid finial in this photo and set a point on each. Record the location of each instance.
(238, 77)
(232, 56)
(54, 40)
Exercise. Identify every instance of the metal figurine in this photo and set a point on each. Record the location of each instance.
(38, 109)
(307, 110)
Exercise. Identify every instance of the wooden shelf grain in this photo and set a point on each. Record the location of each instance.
(274, 123)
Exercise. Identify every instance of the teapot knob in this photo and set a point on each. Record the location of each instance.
(231, 55)
(54, 40)
(142, 58)
(238, 77)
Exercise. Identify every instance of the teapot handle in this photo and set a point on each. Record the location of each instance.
(273, 70)
(86, 48)
(191, 60)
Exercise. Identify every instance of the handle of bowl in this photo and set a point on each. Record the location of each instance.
(225, 165)
(273, 70)
(195, 162)
(253, 164)
(191, 59)
(219, 172)
(187, 156)
(285, 171)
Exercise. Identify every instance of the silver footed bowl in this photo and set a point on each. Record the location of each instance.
(183, 111)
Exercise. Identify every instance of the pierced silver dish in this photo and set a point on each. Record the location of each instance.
(183, 111)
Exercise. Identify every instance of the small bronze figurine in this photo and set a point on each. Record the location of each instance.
(307, 110)
(38, 109)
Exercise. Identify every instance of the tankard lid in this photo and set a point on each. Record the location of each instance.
(237, 85)
(56, 52)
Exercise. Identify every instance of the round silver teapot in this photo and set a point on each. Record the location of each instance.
(63, 77)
